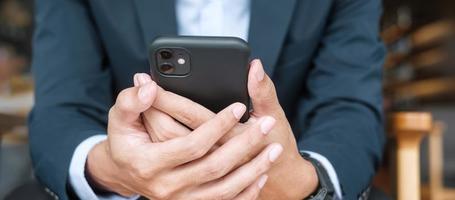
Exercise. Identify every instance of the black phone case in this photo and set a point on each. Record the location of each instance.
(219, 70)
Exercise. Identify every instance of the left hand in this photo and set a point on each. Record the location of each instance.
(291, 177)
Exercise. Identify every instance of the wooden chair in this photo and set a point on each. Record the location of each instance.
(435, 190)
(408, 128)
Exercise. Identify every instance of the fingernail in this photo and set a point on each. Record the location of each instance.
(262, 181)
(275, 153)
(145, 92)
(267, 125)
(259, 71)
(136, 82)
(143, 79)
(238, 111)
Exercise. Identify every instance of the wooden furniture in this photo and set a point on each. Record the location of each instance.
(436, 164)
(435, 190)
(422, 53)
(7, 124)
(409, 129)
(14, 108)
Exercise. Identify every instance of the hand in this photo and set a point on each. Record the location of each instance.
(292, 178)
(128, 162)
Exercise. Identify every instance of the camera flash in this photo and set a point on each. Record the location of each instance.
(181, 61)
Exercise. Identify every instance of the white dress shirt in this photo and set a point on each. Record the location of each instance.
(194, 17)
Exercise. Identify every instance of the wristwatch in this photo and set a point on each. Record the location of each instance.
(325, 190)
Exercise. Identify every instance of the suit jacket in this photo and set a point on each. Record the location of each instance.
(324, 56)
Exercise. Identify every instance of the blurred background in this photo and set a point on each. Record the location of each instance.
(419, 88)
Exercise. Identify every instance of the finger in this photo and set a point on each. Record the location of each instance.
(262, 91)
(141, 79)
(161, 126)
(231, 185)
(149, 131)
(195, 145)
(236, 130)
(131, 102)
(182, 109)
(135, 81)
(252, 191)
(227, 157)
(189, 113)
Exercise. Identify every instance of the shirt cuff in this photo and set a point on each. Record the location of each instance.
(330, 171)
(77, 172)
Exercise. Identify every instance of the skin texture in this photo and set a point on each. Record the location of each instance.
(168, 147)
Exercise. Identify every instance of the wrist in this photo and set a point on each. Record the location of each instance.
(306, 179)
(294, 178)
(100, 171)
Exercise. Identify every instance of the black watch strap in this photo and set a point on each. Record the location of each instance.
(325, 190)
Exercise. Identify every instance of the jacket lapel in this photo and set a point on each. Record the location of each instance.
(156, 18)
(269, 24)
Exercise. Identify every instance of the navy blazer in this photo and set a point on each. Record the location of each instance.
(324, 56)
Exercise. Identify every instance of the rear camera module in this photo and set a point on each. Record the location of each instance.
(166, 54)
(167, 68)
(172, 61)
(181, 61)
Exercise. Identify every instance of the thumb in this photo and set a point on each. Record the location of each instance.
(262, 91)
(131, 102)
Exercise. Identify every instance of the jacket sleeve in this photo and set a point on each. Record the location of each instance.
(340, 117)
(73, 88)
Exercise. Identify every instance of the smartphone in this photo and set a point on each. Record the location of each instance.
(212, 71)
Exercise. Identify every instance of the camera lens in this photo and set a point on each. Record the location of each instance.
(166, 54)
(167, 68)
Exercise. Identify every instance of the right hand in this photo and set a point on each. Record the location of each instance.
(129, 163)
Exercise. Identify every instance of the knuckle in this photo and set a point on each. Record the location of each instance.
(252, 140)
(122, 103)
(171, 184)
(194, 149)
(158, 191)
(221, 124)
(196, 153)
(262, 166)
(247, 158)
(225, 194)
(226, 121)
(119, 160)
(254, 194)
(185, 116)
(268, 93)
(122, 96)
(251, 196)
(141, 171)
(214, 170)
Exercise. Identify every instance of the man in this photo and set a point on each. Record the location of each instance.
(316, 130)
